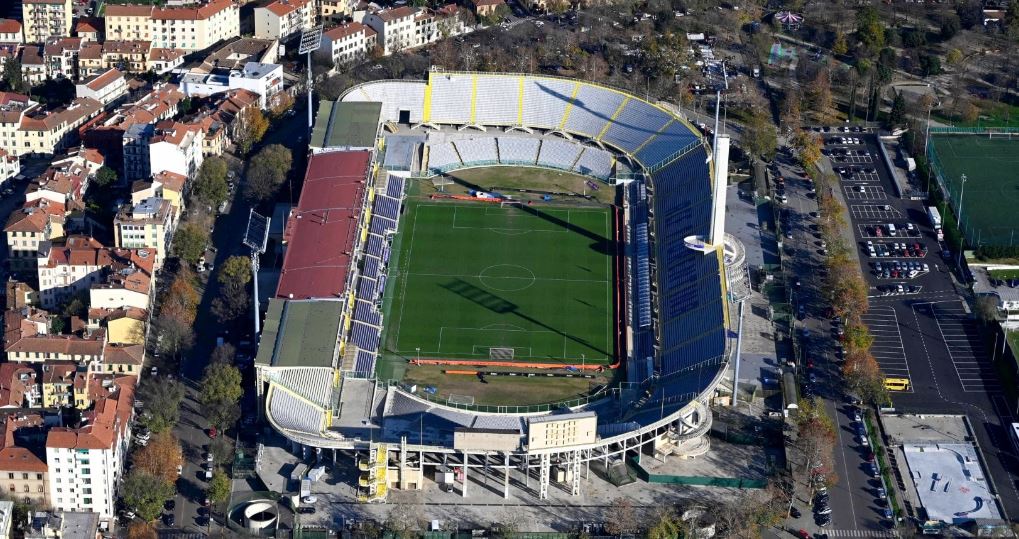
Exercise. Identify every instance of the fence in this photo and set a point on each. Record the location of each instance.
(697, 480)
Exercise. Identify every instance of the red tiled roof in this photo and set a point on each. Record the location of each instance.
(34, 216)
(171, 180)
(107, 421)
(89, 25)
(127, 10)
(341, 32)
(104, 79)
(9, 26)
(19, 459)
(282, 7)
(325, 225)
(389, 15)
(190, 13)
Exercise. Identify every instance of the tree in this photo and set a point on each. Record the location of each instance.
(145, 494)
(791, 116)
(761, 137)
(162, 403)
(219, 487)
(897, 116)
(508, 525)
(930, 65)
(210, 186)
(913, 38)
(267, 171)
(666, 525)
(235, 272)
(404, 521)
(224, 353)
(160, 457)
(1012, 21)
(230, 304)
(808, 146)
(283, 102)
(950, 26)
(820, 97)
(252, 125)
(105, 176)
(141, 530)
(220, 392)
(189, 243)
(953, 57)
(622, 517)
(840, 46)
(869, 28)
(175, 335)
(12, 78)
(181, 299)
(970, 112)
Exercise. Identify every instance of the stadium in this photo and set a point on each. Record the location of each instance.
(576, 309)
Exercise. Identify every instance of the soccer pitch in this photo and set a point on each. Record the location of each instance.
(992, 190)
(472, 277)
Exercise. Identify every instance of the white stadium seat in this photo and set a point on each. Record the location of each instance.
(394, 96)
(518, 150)
(497, 100)
(558, 153)
(592, 110)
(451, 99)
(595, 162)
(477, 151)
(545, 101)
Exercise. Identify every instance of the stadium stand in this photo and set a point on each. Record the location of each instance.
(364, 363)
(477, 151)
(518, 150)
(558, 153)
(364, 311)
(592, 110)
(635, 124)
(497, 100)
(451, 98)
(671, 140)
(395, 96)
(443, 157)
(387, 207)
(595, 162)
(364, 336)
(292, 413)
(394, 187)
(308, 382)
(546, 101)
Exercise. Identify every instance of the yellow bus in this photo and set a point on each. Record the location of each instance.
(897, 384)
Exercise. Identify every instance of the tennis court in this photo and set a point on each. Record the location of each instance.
(991, 192)
(480, 281)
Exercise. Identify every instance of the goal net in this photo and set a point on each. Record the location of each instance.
(510, 204)
(500, 354)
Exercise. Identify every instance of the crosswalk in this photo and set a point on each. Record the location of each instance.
(860, 533)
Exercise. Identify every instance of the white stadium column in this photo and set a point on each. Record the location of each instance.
(721, 164)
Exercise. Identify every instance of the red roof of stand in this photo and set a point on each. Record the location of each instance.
(323, 228)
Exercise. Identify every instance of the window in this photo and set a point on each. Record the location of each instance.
(38, 476)
(10, 476)
(24, 476)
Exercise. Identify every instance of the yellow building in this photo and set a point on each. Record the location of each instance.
(128, 22)
(57, 383)
(166, 185)
(121, 359)
(47, 132)
(564, 430)
(124, 326)
(46, 18)
(149, 224)
(189, 28)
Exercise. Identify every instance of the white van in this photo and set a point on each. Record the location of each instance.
(891, 229)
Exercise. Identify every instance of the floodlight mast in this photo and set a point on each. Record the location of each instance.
(256, 237)
(311, 40)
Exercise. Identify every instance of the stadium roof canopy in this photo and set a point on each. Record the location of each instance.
(300, 333)
(346, 125)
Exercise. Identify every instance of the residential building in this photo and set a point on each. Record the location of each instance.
(63, 525)
(46, 18)
(61, 57)
(18, 389)
(86, 462)
(237, 53)
(136, 151)
(214, 139)
(10, 164)
(47, 132)
(129, 22)
(106, 87)
(165, 185)
(348, 43)
(58, 383)
(12, 110)
(68, 269)
(124, 326)
(282, 19)
(431, 25)
(10, 31)
(266, 80)
(127, 284)
(38, 221)
(127, 355)
(486, 8)
(67, 178)
(90, 29)
(230, 110)
(130, 56)
(334, 10)
(90, 58)
(6, 518)
(190, 27)
(176, 147)
(33, 67)
(395, 28)
(164, 60)
(148, 224)
(23, 472)
(27, 340)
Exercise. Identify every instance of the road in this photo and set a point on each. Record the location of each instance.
(852, 497)
(226, 238)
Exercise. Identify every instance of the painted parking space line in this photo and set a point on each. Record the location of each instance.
(874, 212)
(968, 354)
(887, 348)
(868, 192)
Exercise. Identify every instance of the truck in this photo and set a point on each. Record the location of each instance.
(935, 217)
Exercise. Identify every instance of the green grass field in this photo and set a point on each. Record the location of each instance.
(470, 277)
(991, 194)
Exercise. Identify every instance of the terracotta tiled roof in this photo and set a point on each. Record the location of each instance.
(15, 380)
(171, 180)
(91, 51)
(56, 46)
(14, 458)
(127, 10)
(191, 13)
(32, 55)
(282, 7)
(9, 26)
(121, 46)
(389, 15)
(47, 121)
(132, 354)
(166, 55)
(34, 216)
(58, 372)
(341, 32)
(106, 422)
(104, 79)
(89, 25)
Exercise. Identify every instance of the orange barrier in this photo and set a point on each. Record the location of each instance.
(461, 372)
(514, 364)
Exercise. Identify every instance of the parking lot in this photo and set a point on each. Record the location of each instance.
(921, 328)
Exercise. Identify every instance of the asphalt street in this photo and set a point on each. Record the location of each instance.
(927, 333)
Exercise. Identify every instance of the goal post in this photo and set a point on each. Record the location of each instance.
(510, 204)
(501, 354)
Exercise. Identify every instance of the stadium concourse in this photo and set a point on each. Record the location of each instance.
(316, 364)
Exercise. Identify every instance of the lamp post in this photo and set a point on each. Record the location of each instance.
(962, 238)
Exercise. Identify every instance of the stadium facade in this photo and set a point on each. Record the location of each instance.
(316, 361)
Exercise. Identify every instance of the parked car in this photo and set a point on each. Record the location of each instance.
(306, 510)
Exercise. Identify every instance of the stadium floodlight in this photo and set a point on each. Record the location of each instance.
(256, 237)
(311, 40)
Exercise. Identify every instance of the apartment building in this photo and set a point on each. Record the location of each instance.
(281, 19)
(38, 221)
(130, 56)
(12, 110)
(349, 43)
(395, 28)
(33, 67)
(334, 10)
(124, 326)
(66, 179)
(266, 80)
(10, 164)
(166, 185)
(431, 25)
(46, 18)
(68, 269)
(23, 472)
(176, 147)
(189, 27)
(106, 87)
(10, 31)
(164, 60)
(128, 22)
(18, 388)
(148, 224)
(61, 57)
(44, 132)
(127, 284)
(89, 29)
(85, 463)
(27, 341)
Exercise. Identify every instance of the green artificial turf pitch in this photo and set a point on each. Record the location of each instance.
(471, 277)
(991, 195)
